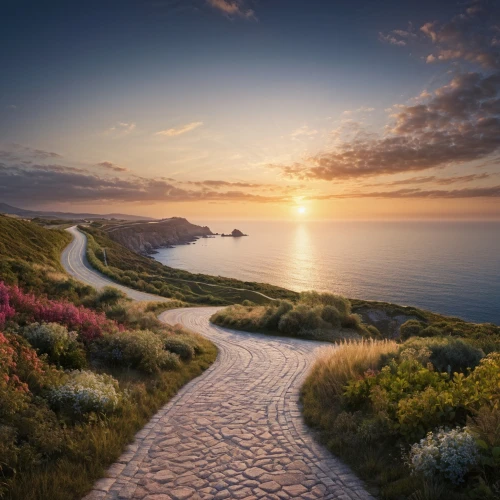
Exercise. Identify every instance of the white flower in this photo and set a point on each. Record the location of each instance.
(86, 392)
(447, 452)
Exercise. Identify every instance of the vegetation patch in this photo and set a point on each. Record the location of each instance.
(68, 409)
(318, 316)
(416, 420)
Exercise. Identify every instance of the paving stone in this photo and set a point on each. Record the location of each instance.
(235, 432)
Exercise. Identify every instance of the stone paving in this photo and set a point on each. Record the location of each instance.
(236, 432)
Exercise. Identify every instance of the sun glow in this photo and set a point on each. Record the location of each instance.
(301, 210)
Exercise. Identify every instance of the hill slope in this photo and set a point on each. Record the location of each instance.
(30, 214)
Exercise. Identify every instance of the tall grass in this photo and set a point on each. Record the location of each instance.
(338, 364)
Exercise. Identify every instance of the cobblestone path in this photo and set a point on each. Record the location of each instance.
(235, 432)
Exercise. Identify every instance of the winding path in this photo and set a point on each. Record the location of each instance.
(235, 432)
(74, 261)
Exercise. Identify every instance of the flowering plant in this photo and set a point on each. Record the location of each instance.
(86, 392)
(450, 453)
(14, 303)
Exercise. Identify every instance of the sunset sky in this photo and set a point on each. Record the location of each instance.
(249, 109)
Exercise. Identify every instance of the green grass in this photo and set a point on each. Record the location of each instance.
(148, 275)
(92, 449)
(27, 241)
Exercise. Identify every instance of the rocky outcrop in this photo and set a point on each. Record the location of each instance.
(236, 233)
(145, 238)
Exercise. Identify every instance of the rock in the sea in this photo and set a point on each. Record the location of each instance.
(236, 233)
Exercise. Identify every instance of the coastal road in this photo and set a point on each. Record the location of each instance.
(74, 261)
(235, 432)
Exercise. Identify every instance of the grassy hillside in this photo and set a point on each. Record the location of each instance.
(148, 275)
(60, 428)
(27, 241)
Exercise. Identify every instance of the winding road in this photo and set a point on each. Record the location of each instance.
(74, 261)
(235, 432)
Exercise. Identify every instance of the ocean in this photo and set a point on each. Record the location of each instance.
(452, 268)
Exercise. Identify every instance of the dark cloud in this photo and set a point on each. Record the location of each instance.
(460, 122)
(35, 153)
(441, 181)
(112, 166)
(470, 36)
(478, 192)
(55, 183)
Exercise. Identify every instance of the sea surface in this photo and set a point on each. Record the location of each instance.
(448, 267)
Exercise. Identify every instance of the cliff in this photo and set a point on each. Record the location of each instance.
(145, 237)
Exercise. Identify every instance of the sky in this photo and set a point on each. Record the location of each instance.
(252, 109)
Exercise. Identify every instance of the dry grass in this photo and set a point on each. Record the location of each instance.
(338, 364)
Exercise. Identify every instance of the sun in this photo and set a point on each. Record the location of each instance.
(301, 210)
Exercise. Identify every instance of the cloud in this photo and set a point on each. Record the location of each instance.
(233, 8)
(468, 36)
(49, 184)
(398, 37)
(362, 109)
(441, 181)
(390, 38)
(121, 129)
(11, 106)
(476, 192)
(18, 151)
(111, 166)
(459, 123)
(303, 131)
(173, 132)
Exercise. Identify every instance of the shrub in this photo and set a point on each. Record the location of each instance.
(179, 346)
(455, 356)
(315, 315)
(431, 331)
(54, 340)
(86, 392)
(450, 453)
(141, 349)
(447, 354)
(29, 308)
(411, 328)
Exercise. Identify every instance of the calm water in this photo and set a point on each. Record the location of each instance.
(448, 267)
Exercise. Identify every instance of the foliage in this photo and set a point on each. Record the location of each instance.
(140, 349)
(392, 398)
(322, 316)
(25, 308)
(53, 339)
(451, 453)
(85, 392)
(411, 328)
(180, 346)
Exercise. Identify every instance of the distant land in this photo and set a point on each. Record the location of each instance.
(30, 214)
(146, 237)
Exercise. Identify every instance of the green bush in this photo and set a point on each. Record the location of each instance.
(315, 315)
(140, 349)
(455, 356)
(430, 331)
(54, 340)
(180, 347)
(411, 328)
